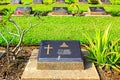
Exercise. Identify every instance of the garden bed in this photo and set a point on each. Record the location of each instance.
(108, 74)
(16, 70)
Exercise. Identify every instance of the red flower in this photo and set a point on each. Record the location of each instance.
(18, 12)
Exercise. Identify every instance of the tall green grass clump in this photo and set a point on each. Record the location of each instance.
(102, 51)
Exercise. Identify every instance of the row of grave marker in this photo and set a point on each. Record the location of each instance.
(60, 1)
(61, 10)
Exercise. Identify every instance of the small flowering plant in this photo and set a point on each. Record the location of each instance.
(18, 12)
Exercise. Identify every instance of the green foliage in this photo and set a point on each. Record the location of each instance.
(114, 55)
(98, 47)
(71, 1)
(26, 3)
(102, 51)
(114, 13)
(93, 1)
(4, 11)
(3, 1)
(6, 14)
(115, 2)
(40, 13)
(76, 9)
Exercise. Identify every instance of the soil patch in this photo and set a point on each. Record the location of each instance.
(16, 70)
(108, 74)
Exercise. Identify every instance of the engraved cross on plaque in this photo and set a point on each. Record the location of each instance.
(48, 49)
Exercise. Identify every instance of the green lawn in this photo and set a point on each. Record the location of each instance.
(65, 28)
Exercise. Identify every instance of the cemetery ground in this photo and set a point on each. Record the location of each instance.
(58, 28)
(67, 28)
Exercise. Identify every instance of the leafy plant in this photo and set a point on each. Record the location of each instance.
(11, 55)
(114, 13)
(116, 2)
(114, 56)
(102, 51)
(93, 1)
(76, 9)
(4, 11)
(40, 13)
(71, 1)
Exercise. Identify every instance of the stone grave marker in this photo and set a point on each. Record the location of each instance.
(16, 1)
(96, 11)
(60, 1)
(37, 1)
(60, 11)
(83, 1)
(23, 10)
(104, 1)
(60, 55)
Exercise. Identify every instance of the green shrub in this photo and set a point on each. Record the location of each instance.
(4, 11)
(93, 1)
(114, 56)
(40, 13)
(114, 13)
(70, 1)
(102, 51)
(27, 3)
(48, 1)
(116, 2)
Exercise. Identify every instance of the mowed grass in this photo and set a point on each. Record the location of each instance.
(65, 28)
